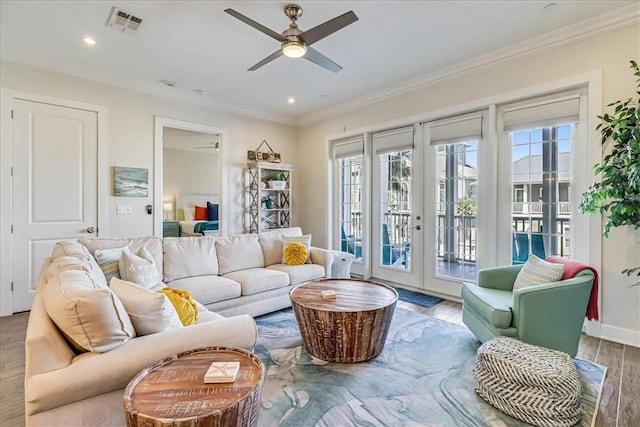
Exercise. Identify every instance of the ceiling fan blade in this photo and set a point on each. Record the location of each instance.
(255, 25)
(321, 60)
(274, 55)
(331, 26)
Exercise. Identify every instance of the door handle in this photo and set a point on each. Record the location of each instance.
(417, 227)
(91, 230)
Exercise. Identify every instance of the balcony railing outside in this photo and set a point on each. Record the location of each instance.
(399, 226)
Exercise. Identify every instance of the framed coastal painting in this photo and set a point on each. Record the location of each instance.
(130, 182)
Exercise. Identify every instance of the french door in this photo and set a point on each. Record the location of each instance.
(396, 207)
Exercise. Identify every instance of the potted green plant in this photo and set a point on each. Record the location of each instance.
(617, 194)
(277, 181)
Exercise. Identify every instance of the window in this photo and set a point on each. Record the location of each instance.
(349, 155)
(541, 139)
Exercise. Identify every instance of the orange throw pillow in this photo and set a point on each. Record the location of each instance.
(201, 213)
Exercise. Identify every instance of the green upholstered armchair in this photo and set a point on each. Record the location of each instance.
(549, 315)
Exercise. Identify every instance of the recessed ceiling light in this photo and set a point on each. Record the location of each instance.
(550, 6)
(88, 40)
(169, 83)
(291, 100)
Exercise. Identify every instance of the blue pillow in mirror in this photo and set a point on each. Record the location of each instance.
(212, 211)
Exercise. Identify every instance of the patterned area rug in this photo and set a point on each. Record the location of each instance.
(423, 377)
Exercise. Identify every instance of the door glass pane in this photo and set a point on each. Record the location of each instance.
(541, 211)
(456, 204)
(350, 189)
(395, 209)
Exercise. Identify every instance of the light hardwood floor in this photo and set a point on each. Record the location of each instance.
(619, 405)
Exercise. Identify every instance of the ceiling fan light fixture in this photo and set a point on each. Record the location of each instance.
(293, 49)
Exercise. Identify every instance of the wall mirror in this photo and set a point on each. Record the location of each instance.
(188, 172)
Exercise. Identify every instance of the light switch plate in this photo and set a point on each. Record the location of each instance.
(124, 210)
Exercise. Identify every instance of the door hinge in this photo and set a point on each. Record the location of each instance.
(11, 228)
(12, 114)
(11, 286)
(11, 170)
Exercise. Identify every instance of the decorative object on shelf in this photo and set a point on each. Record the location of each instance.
(130, 182)
(277, 181)
(263, 156)
(269, 203)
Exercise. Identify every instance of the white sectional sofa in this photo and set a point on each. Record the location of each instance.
(236, 277)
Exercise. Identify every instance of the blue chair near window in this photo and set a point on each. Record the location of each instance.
(348, 244)
(393, 254)
(520, 247)
(537, 246)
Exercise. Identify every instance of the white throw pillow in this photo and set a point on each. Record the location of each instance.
(109, 261)
(139, 268)
(305, 240)
(150, 311)
(91, 317)
(538, 272)
(189, 213)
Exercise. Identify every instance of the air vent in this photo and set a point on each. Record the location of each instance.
(122, 20)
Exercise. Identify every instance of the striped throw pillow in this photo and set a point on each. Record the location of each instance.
(538, 272)
(109, 262)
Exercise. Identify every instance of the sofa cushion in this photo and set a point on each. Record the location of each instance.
(537, 272)
(139, 268)
(149, 311)
(90, 316)
(185, 305)
(271, 244)
(151, 243)
(208, 289)
(70, 248)
(63, 263)
(300, 273)
(494, 305)
(189, 257)
(254, 280)
(239, 252)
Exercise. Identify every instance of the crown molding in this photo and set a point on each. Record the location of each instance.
(611, 21)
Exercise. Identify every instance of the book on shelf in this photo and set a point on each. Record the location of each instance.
(222, 372)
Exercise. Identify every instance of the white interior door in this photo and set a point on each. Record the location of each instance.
(397, 244)
(54, 186)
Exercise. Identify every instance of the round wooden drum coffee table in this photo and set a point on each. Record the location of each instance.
(172, 392)
(349, 326)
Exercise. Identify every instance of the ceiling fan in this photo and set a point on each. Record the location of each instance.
(212, 146)
(297, 43)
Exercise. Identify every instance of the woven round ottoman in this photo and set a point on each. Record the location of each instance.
(533, 384)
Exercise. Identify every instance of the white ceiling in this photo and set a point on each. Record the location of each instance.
(395, 45)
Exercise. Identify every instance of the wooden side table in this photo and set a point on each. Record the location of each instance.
(172, 392)
(352, 327)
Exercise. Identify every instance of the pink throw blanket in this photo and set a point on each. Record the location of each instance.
(571, 268)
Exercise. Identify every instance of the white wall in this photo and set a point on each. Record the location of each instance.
(130, 136)
(189, 171)
(608, 54)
